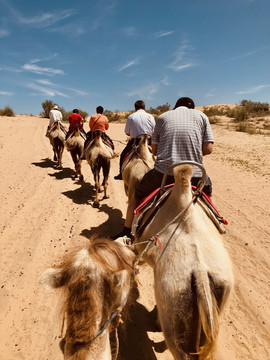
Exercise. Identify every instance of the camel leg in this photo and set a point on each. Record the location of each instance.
(97, 187)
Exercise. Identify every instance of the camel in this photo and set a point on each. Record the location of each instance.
(139, 162)
(98, 155)
(75, 144)
(57, 140)
(96, 283)
(192, 270)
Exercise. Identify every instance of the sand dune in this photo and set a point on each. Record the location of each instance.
(44, 214)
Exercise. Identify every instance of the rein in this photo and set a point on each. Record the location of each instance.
(113, 316)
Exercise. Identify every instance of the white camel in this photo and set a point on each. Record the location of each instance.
(192, 272)
(96, 283)
(139, 162)
(57, 140)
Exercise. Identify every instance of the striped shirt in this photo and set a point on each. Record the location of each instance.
(179, 135)
(140, 123)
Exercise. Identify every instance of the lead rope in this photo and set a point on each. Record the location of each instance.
(155, 238)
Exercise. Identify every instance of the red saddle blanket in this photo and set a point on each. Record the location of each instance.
(204, 197)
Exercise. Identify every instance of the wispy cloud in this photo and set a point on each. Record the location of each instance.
(145, 92)
(4, 33)
(162, 33)
(183, 58)
(247, 54)
(46, 91)
(253, 90)
(129, 64)
(11, 69)
(165, 81)
(107, 5)
(6, 93)
(42, 70)
(44, 19)
(46, 58)
(69, 29)
(130, 31)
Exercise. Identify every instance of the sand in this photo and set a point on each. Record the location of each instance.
(44, 214)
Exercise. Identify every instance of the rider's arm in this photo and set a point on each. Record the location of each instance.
(207, 148)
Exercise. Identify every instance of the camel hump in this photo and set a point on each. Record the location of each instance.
(77, 130)
(97, 133)
(183, 174)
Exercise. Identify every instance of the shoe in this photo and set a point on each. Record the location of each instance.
(118, 177)
(125, 232)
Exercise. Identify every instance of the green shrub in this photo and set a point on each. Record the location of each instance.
(47, 106)
(7, 111)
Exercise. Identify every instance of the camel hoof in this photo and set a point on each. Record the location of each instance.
(96, 204)
(106, 197)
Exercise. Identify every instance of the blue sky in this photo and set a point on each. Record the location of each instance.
(85, 53)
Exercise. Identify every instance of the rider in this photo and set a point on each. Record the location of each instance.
(75, 119)
(98, 121)
(138, 123)
(183, 133)
(55, 116)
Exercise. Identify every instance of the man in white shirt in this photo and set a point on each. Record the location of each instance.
(138, 123)
(56, 116)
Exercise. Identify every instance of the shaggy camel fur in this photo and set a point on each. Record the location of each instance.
(140, 163)
(75, 144)
(98, 156)
(57, 139)
(96, 283)
(192, 272)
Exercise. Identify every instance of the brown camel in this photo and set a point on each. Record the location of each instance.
(138, 162)
(75, 144)
(98, 155)
(96, 281)
(192, 271)
(57, 139)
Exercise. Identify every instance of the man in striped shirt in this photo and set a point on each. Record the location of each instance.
(183, 133)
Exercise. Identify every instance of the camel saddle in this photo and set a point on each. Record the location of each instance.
(145, 212)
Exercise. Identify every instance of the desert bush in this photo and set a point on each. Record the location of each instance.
(46, 106)
(112, 116)
(255, 106)
(245, 127)
(160, 109)
(214, 120)
(66, 114)
(7, 111)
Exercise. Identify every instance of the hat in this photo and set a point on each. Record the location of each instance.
(55, 107)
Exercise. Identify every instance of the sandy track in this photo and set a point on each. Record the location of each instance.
(44, 213)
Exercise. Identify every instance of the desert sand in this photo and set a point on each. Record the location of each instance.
(45, 214)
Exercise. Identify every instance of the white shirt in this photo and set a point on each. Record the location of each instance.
(140, 123)
(55, 115)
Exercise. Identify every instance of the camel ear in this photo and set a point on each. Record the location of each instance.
(52, 278)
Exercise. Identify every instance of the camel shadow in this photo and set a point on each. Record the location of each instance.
(45, 163)
(109, 227)
(134, 342)
(83, 195)
(64, 173)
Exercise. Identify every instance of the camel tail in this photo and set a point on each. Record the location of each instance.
(208, 315)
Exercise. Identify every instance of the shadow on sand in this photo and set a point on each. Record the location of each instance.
(134, 342)
(114, 222)
(82, 195)
(45, 163)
